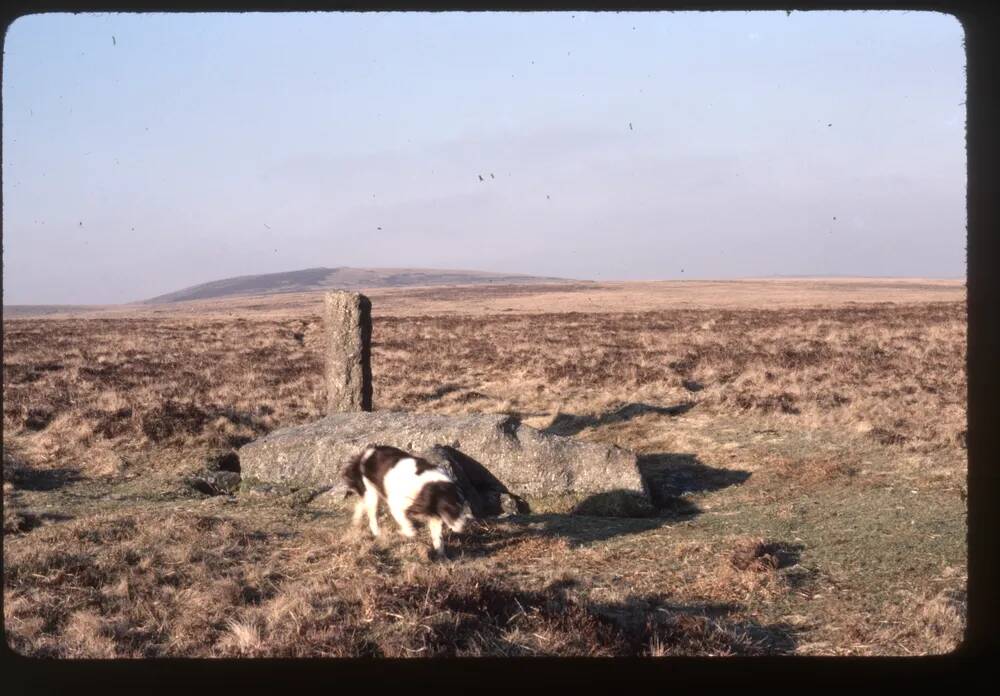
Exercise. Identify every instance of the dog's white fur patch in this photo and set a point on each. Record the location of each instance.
(403, 484)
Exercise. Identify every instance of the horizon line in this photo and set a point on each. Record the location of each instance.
(541, 278)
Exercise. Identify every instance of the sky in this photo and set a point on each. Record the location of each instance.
(143, 153)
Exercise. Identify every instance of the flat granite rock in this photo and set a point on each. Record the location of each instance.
(527, 461)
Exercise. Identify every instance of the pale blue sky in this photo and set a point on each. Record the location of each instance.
(145, 153)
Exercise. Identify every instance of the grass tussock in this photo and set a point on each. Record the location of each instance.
(921, 622)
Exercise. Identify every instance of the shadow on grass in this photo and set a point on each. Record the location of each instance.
(580, 530)
(606, 515)
(22, 521)
(441, 391)
(568, 424)
(704, 627)
(668, 475)
(598, 517)
(30, 479)
(492, 536)
(639, 625)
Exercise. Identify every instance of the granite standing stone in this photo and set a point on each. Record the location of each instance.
(348, 317)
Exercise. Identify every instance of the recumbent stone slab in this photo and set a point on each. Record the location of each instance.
(527, 461)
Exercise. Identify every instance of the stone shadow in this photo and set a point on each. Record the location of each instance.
(581, 530)
(440, 392)
(31, 479)
(668, 475)
(709, 626)
(637, 625)
(490, 535)
(21, 521)
(568, 424)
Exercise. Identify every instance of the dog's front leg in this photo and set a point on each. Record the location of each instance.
(405, 525)
(435, 526)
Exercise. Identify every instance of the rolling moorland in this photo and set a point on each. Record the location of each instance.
(804, 441)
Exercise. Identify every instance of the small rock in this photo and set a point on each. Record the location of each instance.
(510, 504)
(19, 522)
(225, 461)
(691, 385)
(38, 419)
(258, 488)
(328, 498)
(304, 496)
(228, 481)
(215, 482)
(762, 555)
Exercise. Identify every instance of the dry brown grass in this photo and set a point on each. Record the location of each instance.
(141, 585)
(97, 395)
(808, 482)
(94, 394)
(899, 369)
(545, 298)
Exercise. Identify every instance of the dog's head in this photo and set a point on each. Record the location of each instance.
(455, 510)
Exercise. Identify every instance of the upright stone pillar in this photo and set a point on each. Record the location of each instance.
(348, 317)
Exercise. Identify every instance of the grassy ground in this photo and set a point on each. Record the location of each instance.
(808, 465)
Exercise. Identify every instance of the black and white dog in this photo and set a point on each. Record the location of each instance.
(414, 489)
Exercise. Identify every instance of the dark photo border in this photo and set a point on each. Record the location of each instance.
(981, 23)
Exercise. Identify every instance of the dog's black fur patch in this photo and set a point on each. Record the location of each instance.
(423, 465)
(375, 467)
(437, 499)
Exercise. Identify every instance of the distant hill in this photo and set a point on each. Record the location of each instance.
(15, 311)
(343, 278)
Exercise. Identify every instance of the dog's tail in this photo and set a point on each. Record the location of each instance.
(351, 474)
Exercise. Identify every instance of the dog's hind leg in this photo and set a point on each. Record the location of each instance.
(359, 512)
(371, 504)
